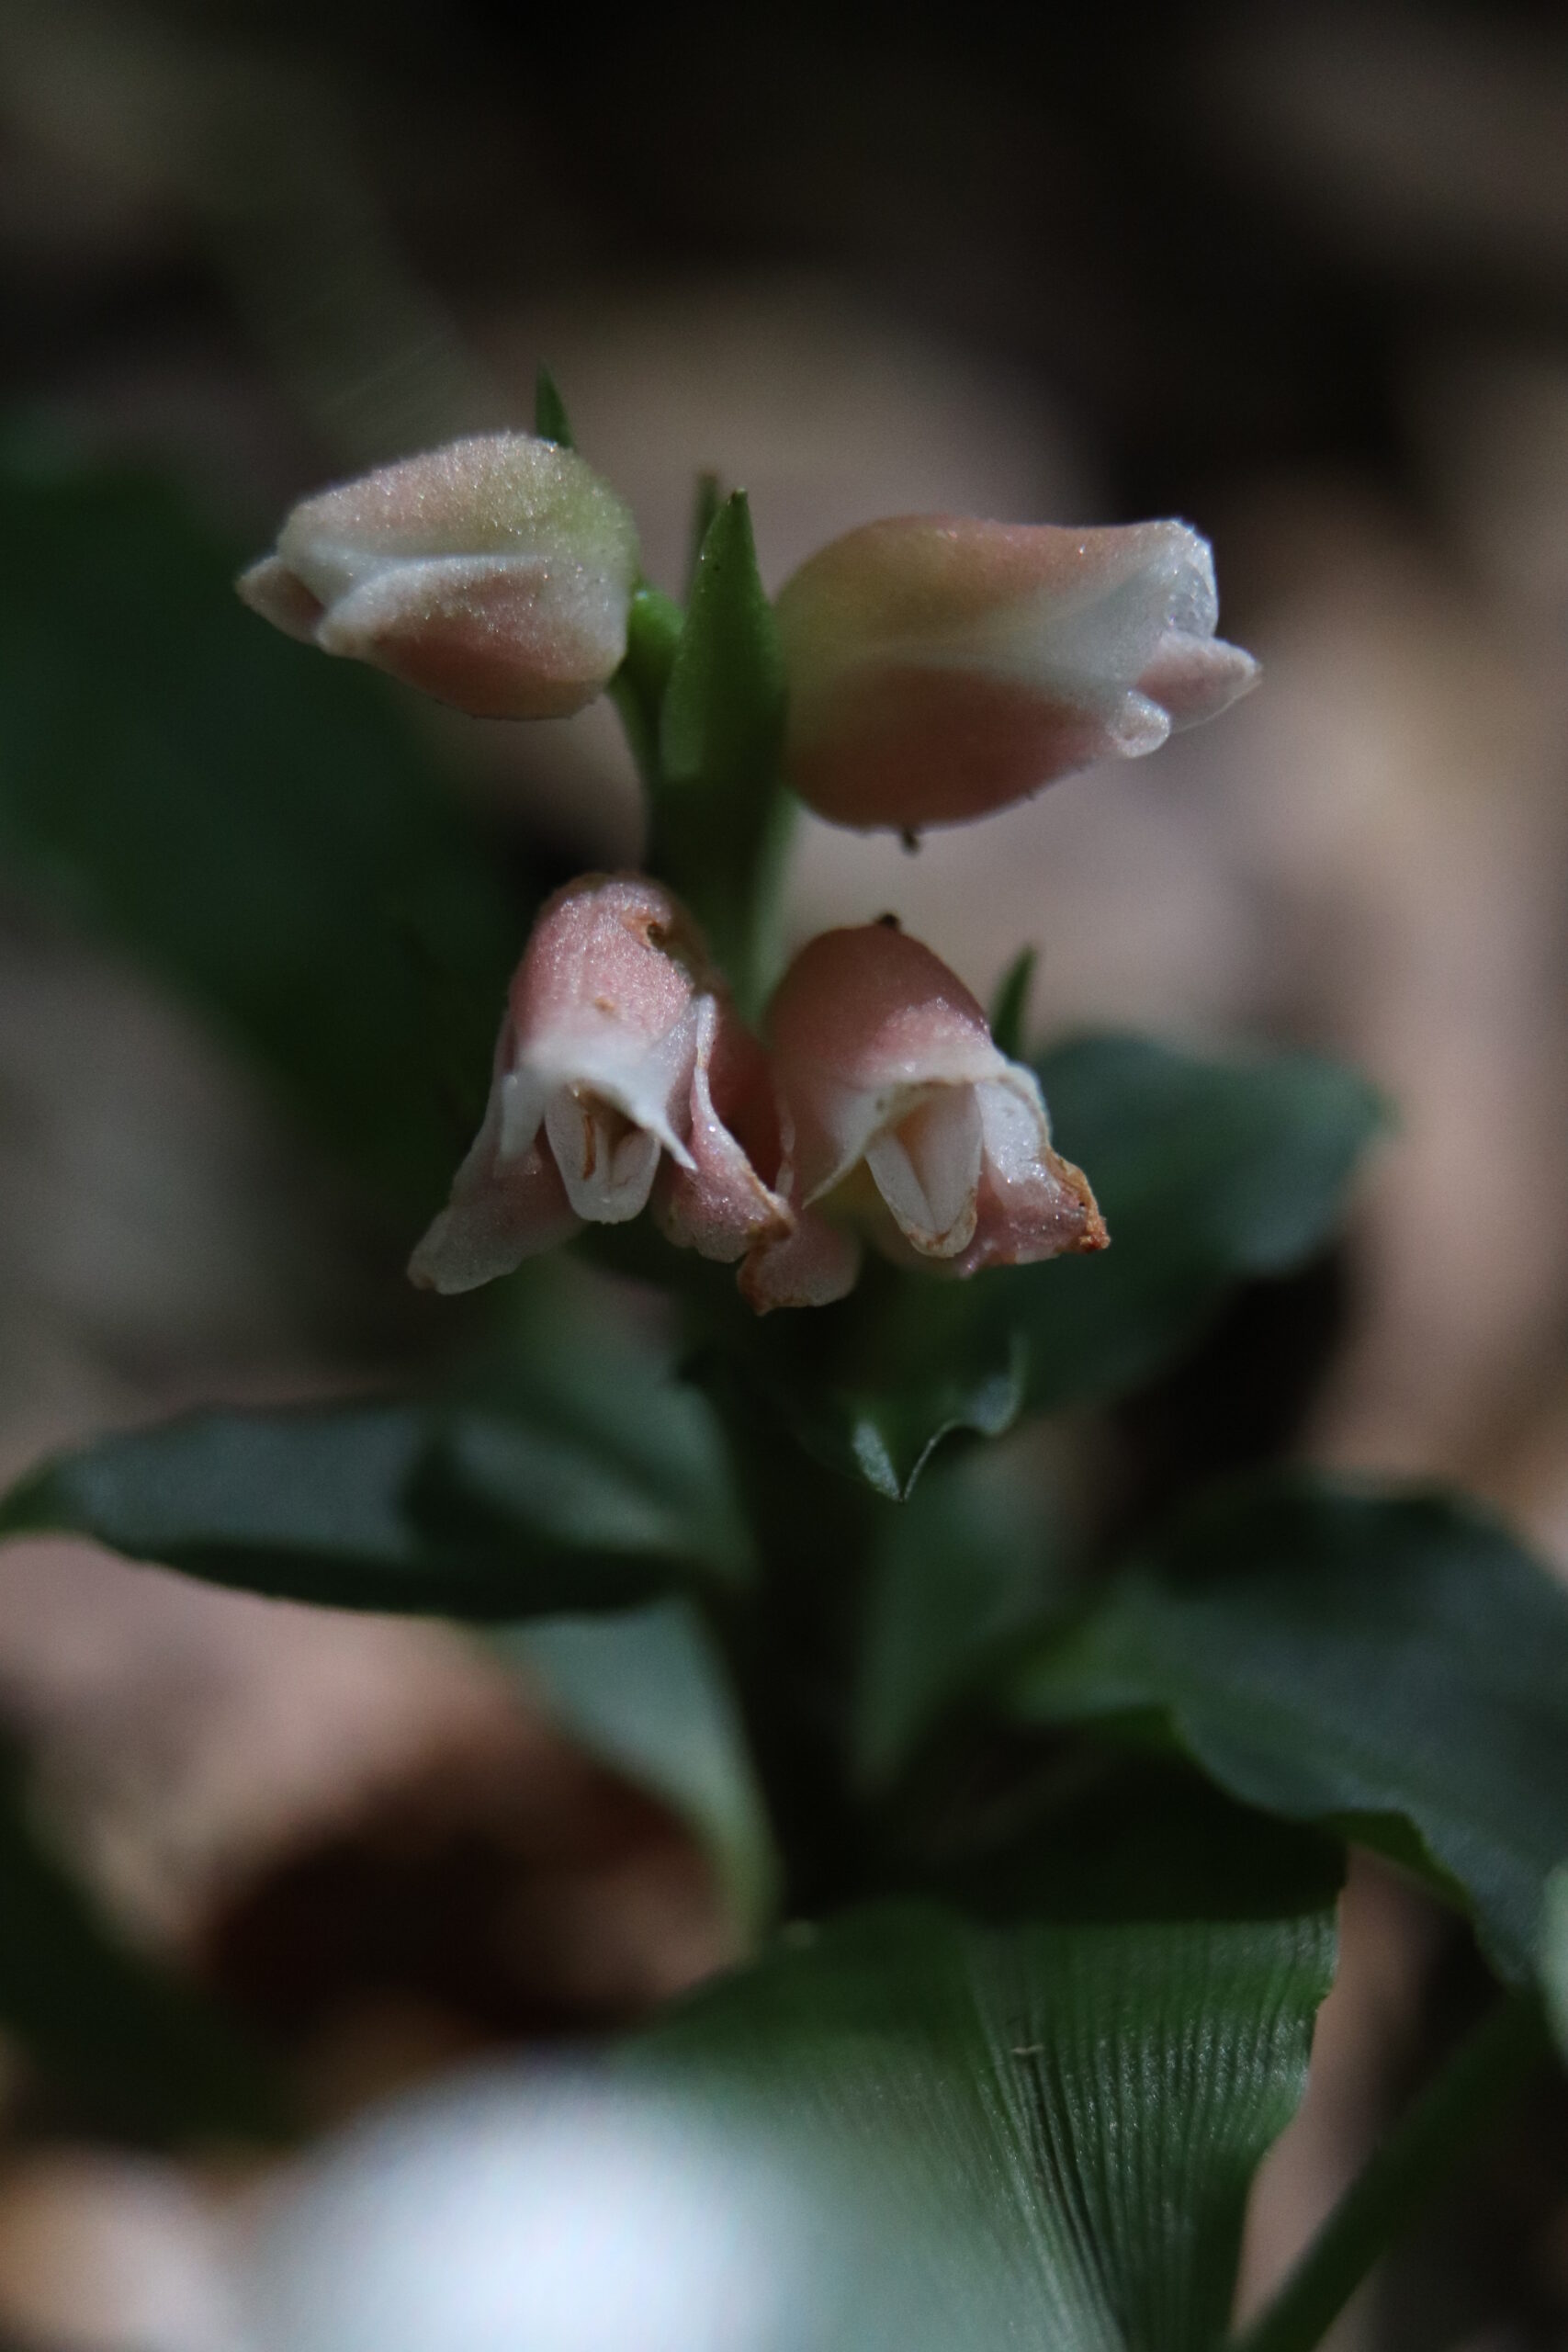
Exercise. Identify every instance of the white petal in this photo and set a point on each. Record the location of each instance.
(928, 1171)
(606, 1163)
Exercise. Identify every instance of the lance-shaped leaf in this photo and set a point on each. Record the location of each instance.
(1050, 2129)
(435, 1509)
(147, 2052)
(1207, 1171)
(254, 825)
(1398, 1666)
(719, 814)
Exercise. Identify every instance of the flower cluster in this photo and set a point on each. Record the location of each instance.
(937, 668)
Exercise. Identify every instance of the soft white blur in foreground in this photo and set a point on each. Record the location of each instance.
(543, 2212)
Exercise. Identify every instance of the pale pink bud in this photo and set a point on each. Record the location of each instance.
(939, 668)
(900, 1114)
(620, 1066)
(496, 573)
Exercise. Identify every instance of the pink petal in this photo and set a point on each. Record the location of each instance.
(819, 1263)
(721, 1207)
(505, 1206)
(1194, 678)
(499, 638)
(864, 1020)
(1032, 1203)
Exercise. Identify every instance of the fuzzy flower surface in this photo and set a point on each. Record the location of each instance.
(495, 573)
(620, 1069)
(940, 668)
(900, 1118)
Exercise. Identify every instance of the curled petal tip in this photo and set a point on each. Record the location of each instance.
(279, 597)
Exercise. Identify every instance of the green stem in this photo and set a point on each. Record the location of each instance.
(1443, 2128)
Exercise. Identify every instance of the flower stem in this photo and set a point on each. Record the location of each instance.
(1441, 2130)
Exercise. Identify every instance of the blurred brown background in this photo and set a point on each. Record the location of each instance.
(1299, 274)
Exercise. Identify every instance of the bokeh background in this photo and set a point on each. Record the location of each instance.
(1299, 274)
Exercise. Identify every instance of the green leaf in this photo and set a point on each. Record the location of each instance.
(706, 501)
(1398, 1667)
(1010, 1005)
(148, 2051)
(647, 1693)
(252, 821)
(551, 421)
(1208, 1173)
(1555, 1954)
(720, 814)
(431, 1509)
(1049, 2129)
(871, 1385)
(958, 1576)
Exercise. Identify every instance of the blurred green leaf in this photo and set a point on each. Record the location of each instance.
(250, 820)
(1064, 2118)
(1010, 1005)
(1208, 1173)
(550, 420)
(1555, 1954)
(148, 2052)
(719, 813)
(968, 1566)
(706, 499)
(430, 1507)
(647, 1693)
(1398, 1667)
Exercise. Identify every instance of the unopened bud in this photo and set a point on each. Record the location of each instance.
(496, 574)
(940, 668)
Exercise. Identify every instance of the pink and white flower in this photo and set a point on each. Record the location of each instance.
(899, 1117)
(940, 667)
(495, 573)
(622, 1077)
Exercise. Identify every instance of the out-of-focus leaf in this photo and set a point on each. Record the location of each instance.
(959, 1575)
(720, 815)
(426, 1508)
(1555, 1954)
(706, 499)
(1064, 2118)
(1396, 1665)
(550, 420)
(1208, 1173)
(1011, 1004)
(147, 2052)
(646, 1692)
(250, 820)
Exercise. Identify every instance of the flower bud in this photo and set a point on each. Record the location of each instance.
(940, 668)
(899, 1114)
(495, 573)
(620, 1066)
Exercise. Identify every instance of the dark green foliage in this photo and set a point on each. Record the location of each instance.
(1398, 1667)
(1055, 2123)
(255, 824)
